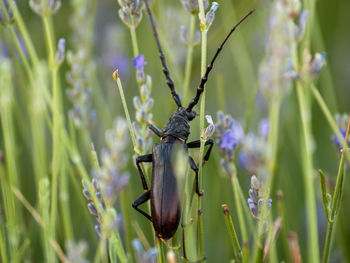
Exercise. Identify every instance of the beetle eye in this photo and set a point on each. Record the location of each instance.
(191, 115)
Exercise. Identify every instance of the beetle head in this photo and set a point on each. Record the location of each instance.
(178, 123)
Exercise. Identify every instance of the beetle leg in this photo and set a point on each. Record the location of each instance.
(155, 129)
(147, 158)
(194, 167)
(139, 201)
(197, 144)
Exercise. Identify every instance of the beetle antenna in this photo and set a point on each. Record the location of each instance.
(204, 79)
(169, 81)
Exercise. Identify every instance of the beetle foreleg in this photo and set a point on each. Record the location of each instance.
(194, 167)
(197, 144)
(147, 158)
(139, 201)
(155, 129)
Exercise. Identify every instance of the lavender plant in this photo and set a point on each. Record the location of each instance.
(42, 159)
(81, 64)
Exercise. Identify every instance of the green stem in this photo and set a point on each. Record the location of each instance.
(188, 68)
(204, 33)
(335, 200)
(328, 116)
(24, 32)
(57, 123)
(241, 219)
(231, 229)
(125, 106)
(305, 113)
(134, 44)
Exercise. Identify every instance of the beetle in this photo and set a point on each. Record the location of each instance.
(163, 193)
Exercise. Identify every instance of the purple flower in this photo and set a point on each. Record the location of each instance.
(228, 140)
(264, 127)
(231, 137)
(139, 62)
(336, 140)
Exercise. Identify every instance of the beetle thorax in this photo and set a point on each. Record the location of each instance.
(178, 124)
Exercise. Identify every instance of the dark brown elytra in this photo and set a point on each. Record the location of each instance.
(163, 193)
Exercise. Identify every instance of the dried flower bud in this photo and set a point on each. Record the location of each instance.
(209, 18)
(61, 49)
(209, 131)
(192, 5)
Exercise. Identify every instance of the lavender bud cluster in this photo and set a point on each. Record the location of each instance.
(149, 256)
(277, 70)
(311, 68)
(92, 206)
(80, 64)
(210, 16)
(230, 136)
(107, 218)
(229, 133)
(192, 5)
(130, 12)
(111, 178)
(342, 122)
(80, 91)
(143, 105)
(252, 156)
(45, 7)
(256, 201)
(185, 38)
(76, 252)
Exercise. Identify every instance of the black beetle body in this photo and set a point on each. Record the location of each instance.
(165, 203)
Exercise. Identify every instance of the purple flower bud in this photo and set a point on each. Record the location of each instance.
(269, 203)
(264, 127)
(252, 207)
(318, 63)
(139, 62)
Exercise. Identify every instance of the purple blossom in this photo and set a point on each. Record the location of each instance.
(139, 62)
(264, 127)
(231, 137)
(336, 140)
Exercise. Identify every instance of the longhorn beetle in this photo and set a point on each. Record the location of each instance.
(165, 202)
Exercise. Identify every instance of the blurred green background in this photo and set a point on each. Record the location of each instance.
(229, 89)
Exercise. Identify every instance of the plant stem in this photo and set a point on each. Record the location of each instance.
(328, 116)
(188, 68)
(305, 113)
(125, 106)
(336, 199)
(235, 244)
(57, 123)
(204, 32)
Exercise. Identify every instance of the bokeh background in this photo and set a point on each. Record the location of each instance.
(230, 89)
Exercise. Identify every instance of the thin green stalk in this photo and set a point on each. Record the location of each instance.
(189, 58)
(274, 111)
(335, 200)
(204, 33)
(3, 248)
(125, 106)
(10, 178)
(57, 122)
(234, 239)
(134, 44)
(16, 41)
(329, 117)
(313, 251)
(241, 219)
(160, 247)
(24, 32)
